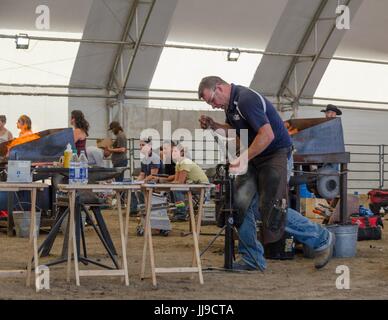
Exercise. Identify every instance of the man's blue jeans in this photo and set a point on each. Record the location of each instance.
(122, 163)
(303, 230)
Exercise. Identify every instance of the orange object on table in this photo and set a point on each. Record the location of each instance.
(28, 138)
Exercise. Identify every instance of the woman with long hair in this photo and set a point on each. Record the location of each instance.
(24, 124)
(81, 130)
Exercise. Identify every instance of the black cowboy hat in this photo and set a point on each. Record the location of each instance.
(331, 107)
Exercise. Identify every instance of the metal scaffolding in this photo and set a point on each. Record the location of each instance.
(200, 48)
(118, 79)
(286, 105)
(116, 91)
(284, 90)
(309, 31)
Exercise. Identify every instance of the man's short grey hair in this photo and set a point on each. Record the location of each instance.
(209, 83)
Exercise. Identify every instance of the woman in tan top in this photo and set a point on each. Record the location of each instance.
(186, 170)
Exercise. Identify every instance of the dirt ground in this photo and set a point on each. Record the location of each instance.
(293, 279)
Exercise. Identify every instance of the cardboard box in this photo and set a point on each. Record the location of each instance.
(307, 205)
(364, 200)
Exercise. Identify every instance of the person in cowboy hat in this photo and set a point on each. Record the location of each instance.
(331, 111)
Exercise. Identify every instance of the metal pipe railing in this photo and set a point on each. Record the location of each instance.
(356, 166)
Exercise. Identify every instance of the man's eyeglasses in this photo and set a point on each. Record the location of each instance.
(210, 101)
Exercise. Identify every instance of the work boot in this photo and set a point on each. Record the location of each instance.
(242, 266)
(323, 256)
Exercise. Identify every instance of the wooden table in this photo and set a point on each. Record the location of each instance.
(118, 188)
(148, 189)
(33, 241)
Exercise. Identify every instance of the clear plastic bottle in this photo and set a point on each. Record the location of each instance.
(83, 168)
(207, 196)
(74, 172)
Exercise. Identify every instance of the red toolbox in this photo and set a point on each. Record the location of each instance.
(378, 198)
(369, 228)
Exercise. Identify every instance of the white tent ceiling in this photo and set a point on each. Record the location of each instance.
(364, 40)
(245, 23)
(226, 23)
(368, 33)
(65, 16)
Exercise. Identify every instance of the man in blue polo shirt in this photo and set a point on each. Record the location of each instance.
(264, 164)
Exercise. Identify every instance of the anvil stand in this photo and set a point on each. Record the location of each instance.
(100, 229)
(342, 158)
(227, 188)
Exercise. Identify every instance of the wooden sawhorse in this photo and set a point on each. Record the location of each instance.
(72, 246)
(196, 267)
(33, 240)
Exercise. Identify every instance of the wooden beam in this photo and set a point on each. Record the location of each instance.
(13, 273)
(97, 273)
(176, 270)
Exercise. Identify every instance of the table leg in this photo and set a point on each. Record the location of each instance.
(30, 246)
(122, 237)
(195, 237)
(129, 196)
(145, 236)
(75, 246)
(152, 257)
(72, 245)
(35, 239)
(148, 233)
(199, 218)
(69, 236)
(200, 211)
(10, 222)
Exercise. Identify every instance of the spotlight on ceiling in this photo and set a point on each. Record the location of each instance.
(233, 54)
(22, 41)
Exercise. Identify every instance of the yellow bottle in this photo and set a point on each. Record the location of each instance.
(67, 156)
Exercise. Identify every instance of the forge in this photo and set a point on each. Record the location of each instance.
(319, 143)
(43, 146)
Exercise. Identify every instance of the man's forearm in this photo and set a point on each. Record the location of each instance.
(117, 150)
(256, 148)
(259, 144)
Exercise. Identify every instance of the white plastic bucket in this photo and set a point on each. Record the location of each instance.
(22, 220)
